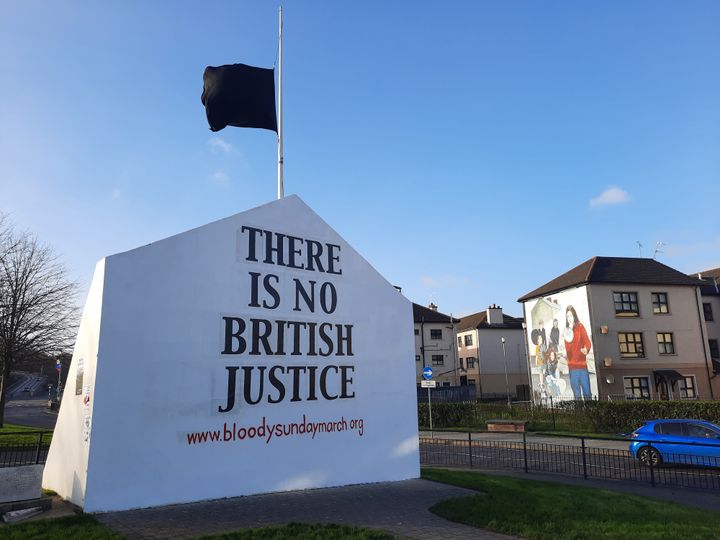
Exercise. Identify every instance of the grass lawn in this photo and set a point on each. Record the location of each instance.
(6, 440)
(549, 511)
(80, 527)
(86, 527)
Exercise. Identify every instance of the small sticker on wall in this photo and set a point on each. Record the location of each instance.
(79, 376)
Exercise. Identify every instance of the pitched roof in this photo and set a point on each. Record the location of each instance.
(479, 320)
(712, 273)
(615, 270)
(711, 280)
(423, 314)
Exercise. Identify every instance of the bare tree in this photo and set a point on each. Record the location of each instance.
(38, 310)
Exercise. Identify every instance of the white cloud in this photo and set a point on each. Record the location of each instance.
(217, 145)
(612, 195)
(219, 178)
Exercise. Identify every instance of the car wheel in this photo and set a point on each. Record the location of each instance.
(649, 456)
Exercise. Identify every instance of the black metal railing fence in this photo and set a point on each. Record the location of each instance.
(24, 447)
(692, 465)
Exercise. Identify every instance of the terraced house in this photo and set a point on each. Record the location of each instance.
(435, 345)
(710, 296)
(620, 328)
(491, 354)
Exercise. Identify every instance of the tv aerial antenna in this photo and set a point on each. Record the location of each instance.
(639, 245)
(658, 249)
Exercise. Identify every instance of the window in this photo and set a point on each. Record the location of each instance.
(701, 432)
(417, 357)
(665, 343)
(461, 363)
(470, 362)
(707, 311)
(438, 360)
(471, 382)
(660, 303)
(687, 388)
(446, 383)
(435, 333)
(631, 344)
(626, 304)
(714, 353)
(671, 428)
(459, 341)
(637, 387)
(417, 332)
(468, 340)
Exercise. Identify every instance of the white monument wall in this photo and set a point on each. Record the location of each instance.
(164, 367)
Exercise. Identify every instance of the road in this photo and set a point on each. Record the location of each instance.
(30, 412)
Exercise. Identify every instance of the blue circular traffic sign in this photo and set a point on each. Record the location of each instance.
(427, 373)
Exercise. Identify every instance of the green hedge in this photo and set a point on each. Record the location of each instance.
(626, 416)
(591, 416)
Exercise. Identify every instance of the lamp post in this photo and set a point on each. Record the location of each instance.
(507, 383)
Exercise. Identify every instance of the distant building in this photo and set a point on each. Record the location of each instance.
(435, 345)
(618, 328)
(480, 354)
(710, 296)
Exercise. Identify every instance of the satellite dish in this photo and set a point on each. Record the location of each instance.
(610, 378)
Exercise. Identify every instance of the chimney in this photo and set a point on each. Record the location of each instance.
(494, 315)
(432, 306)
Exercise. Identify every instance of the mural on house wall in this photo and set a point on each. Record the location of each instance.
(562, 360)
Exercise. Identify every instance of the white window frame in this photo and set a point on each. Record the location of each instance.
(650, 387)
(695, 389)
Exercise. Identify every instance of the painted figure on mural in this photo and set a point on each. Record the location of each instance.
(553, 382)
(555, 335)
(577, 347)
(538, 341)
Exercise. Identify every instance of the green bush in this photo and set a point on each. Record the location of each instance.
(577, 416)
(626, 416)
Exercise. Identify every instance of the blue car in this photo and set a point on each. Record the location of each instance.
(691, 442)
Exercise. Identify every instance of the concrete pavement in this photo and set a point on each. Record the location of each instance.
(531, 438)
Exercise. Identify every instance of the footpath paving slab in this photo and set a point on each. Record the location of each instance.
(531, 438)
(399, 508)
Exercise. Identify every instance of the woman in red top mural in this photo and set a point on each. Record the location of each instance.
(577, 346)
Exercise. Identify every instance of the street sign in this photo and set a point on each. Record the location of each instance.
(427, 373)
(428, 384)
(58, 365)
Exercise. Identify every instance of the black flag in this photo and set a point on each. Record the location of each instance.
(239, 95)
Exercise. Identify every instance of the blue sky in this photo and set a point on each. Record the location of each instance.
(471, 151)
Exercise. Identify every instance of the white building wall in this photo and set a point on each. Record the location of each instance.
(446, 374)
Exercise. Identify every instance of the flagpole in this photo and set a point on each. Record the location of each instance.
(281, 189)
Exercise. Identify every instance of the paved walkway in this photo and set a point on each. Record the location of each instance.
(396, 507)
(531, 438)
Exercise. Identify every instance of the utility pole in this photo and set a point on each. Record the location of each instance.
(507, 383)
